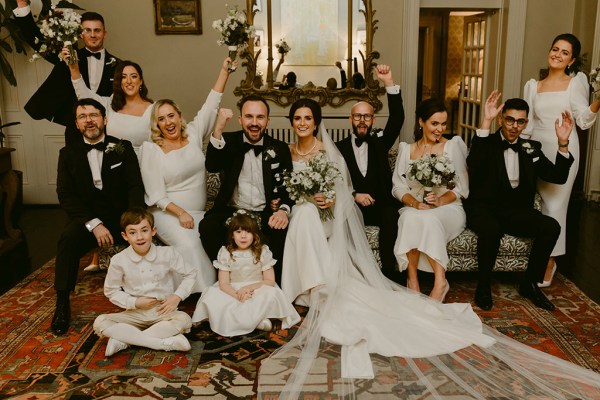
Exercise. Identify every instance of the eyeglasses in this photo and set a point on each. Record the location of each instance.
(510, 121)
(366, 117)
(84, 117)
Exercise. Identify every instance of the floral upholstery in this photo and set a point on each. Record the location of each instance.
(462, 250)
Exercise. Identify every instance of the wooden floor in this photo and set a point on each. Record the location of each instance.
(42, 226)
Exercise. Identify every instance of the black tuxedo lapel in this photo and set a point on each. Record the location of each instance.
(83, 67)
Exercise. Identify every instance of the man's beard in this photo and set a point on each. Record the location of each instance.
(367, 133)
(98, 133)
(249, 138)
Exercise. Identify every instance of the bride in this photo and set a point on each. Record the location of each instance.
(420, 348)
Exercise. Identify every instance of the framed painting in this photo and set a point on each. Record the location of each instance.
(177, 17)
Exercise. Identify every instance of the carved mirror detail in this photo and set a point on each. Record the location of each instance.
(355, 49)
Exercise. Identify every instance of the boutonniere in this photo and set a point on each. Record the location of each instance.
(111, 61)
(117, 148)
(270, 154)
(527, 147)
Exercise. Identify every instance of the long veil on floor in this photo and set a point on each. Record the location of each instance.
(367, 337)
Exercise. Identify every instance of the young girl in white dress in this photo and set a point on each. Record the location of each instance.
(246, 295)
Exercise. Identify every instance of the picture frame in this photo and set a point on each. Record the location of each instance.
(259, 39)
(181, 17)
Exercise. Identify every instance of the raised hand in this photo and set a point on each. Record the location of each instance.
(384, 74)
(564, 131)
(223, 116)
(491, 110)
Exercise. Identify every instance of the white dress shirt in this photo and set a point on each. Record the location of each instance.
(361, 154)
(95, 69)
(155, 274)
(95, 158)
(249, 193)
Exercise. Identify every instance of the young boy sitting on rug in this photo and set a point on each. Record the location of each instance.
(143, 279)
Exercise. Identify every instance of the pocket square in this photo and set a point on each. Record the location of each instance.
(379, 133)
(535, 159)
(275, 166)
(116, 165)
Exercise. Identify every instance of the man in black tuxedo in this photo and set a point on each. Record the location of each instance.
(366, 154)
(249, 161)
(55, 98)
(503, 171)
(98, 179)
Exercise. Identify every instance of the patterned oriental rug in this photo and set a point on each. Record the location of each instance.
(36, 364)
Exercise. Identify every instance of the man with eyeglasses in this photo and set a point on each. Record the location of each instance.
(366, 154)
(503, 173)
(54, 99)
(98, 179)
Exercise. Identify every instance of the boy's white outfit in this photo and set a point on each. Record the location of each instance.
(131, 276)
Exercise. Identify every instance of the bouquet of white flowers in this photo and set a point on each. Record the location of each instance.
(61, 28)
(282, 47)
(432, 170)
(595, 80)
(318, 177)
(235, 32)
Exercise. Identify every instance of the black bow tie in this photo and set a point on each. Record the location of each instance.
(257, 148)
(98, 146)
(514, 146)
(88, 53)
(359, 140)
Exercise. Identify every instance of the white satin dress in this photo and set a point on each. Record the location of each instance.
(306, 257)
(429, 230)
(179, 177)
(544, 109)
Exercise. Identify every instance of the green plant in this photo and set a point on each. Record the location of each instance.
(10, 35)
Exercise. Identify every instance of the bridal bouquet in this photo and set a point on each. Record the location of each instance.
(235, 32)
(282, 47)
(318, 177)
(595, 80)
(432, 170)
(61, 28)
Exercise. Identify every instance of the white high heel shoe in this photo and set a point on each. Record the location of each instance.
(548, 282)
(445, 292)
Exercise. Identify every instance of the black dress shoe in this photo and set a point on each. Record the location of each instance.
(62, 317)
(531, 291)
(483, 297)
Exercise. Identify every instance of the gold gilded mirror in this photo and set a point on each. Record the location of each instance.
(320, 33)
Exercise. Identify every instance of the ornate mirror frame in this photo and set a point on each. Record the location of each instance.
(323, 95)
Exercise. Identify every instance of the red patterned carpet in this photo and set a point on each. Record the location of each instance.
(35, 364)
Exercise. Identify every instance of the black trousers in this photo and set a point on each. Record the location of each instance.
(490, 224)
(213, 234)
(74, 242)
(386, 218)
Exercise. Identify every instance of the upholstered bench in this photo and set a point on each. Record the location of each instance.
(462, 250)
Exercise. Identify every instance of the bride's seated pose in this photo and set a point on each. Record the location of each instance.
(423, 348)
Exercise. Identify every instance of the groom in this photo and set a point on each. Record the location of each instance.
(503, 172)
(248, 161)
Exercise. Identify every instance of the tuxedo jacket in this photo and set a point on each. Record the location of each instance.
(276, 158)
(378, 162)
(489, 186)
(55, 98)
(122, 185)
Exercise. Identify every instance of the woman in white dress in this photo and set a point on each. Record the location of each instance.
(443, 348)
(306, 255)
(426, 224)
(564, 89)
(174, 177)
(128, 109)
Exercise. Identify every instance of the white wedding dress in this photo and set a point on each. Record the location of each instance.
(429, 230)
(544, 109)
(431, 346)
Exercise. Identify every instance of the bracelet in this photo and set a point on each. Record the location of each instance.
(563, 144)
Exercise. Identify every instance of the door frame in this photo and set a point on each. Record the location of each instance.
(515, 13)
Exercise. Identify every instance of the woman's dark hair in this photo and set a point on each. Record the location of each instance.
(248, 224)
(424, 111)
(118, 101)
(313, 106)
(575, 51)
